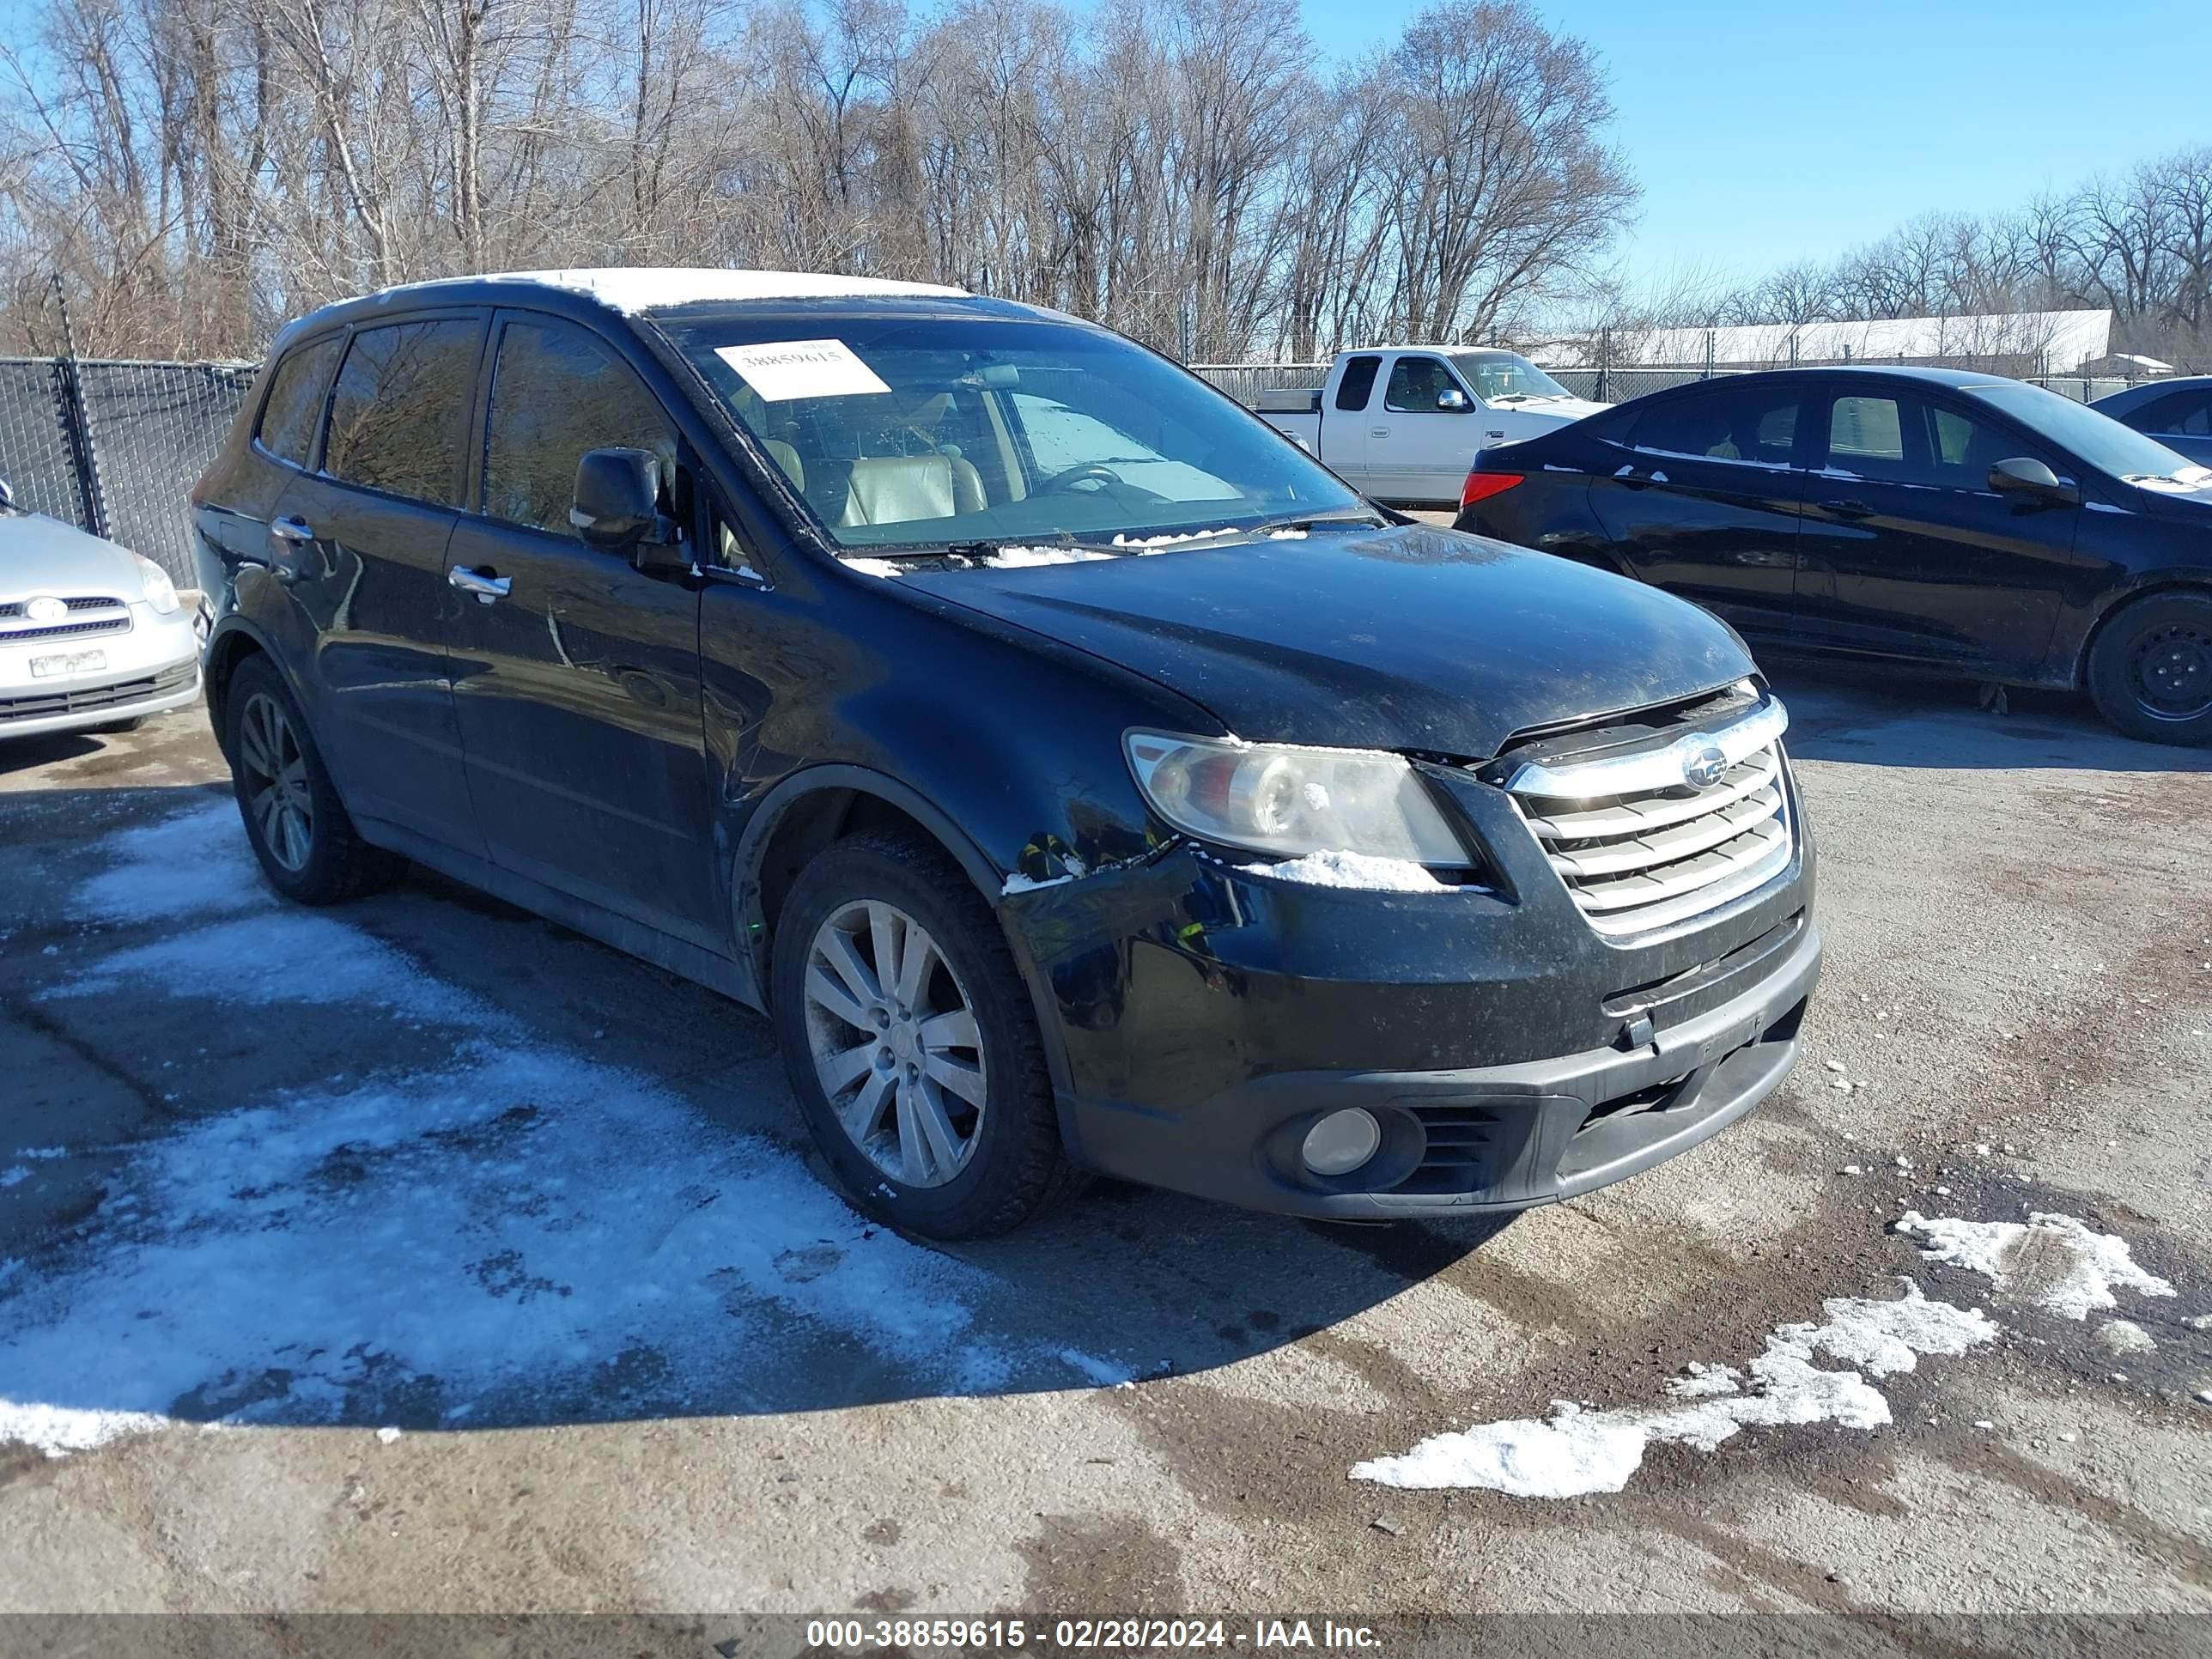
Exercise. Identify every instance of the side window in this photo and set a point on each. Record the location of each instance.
(555, 392)
(296, 401)
(2189, 413)
(1866, 435)
(1723, 422)
(1358, 384)
(1911, 440)
(1415, 383)
(400, 410)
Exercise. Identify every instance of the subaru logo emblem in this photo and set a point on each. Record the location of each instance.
(1703, 769)
(45, 609)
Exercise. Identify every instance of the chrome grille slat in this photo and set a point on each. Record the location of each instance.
(1636, 815)
(1689, 836)
(1638, 846)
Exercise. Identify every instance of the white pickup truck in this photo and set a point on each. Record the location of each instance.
(1401, 423)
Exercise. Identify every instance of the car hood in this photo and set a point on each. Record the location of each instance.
(1565, 410)
(39, 555)
(1407, 638)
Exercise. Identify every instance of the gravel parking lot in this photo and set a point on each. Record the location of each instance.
(424, 1255)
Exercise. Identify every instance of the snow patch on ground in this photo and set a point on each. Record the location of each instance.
(516, 1234)
(166, 870)
(2056, 1261)
(1354, 870)
(2124, 1336)
(1575, 1451)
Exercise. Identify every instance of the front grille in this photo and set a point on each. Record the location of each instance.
(82, 700)
(115, 624)
(82, 602)
(1637, 845)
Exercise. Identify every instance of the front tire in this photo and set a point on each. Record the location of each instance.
(911, 1044)
(307, 846)
(2150, 670)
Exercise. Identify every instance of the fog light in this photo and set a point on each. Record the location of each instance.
(1342, 1141)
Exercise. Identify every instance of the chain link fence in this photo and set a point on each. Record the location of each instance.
(113, 446)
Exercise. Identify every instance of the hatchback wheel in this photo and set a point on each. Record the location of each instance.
(911, 1044)
(307, 846)
(2150, 670)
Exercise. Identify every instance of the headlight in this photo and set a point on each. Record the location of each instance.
(1287, 801)
(154, 582)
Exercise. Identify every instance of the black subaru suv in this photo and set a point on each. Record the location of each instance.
(1080, 775)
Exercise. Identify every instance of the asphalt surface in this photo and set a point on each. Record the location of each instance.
(253, 1172)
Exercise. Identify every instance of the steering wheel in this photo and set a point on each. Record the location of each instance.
(1069, 478)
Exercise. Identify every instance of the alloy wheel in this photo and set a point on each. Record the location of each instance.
(276, 792)
(895, 1043)
(2172, 672)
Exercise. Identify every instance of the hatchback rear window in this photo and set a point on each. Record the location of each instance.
(400, 412)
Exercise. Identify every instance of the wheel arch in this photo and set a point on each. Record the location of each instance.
(2163, 587)
(805, 813)
(233, 641)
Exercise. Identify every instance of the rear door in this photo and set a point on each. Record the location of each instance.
(1703, 500)
(359, 545)
(577, 690)
(1907, 553)
(1345, 446)
(1419, 451)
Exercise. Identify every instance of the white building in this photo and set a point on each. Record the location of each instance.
(2037, 341)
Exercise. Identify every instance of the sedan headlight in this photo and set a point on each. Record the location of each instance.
(154, 582)
(1290, 801)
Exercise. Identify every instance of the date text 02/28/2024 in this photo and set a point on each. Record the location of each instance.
(1085, 1634)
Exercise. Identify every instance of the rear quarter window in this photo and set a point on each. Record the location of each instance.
(289, 417)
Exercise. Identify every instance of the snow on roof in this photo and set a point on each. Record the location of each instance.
(2154, 365)
(2062, 339)
(642, 288)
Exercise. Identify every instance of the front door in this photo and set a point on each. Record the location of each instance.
(1703, 501)
(576, 683)
(1418, 451)
(1906, 551)
(359, 546)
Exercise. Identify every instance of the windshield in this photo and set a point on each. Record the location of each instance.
(1497, 375)
(915, 433)
(2097, 438)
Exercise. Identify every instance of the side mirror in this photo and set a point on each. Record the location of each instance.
(617, 505)
(2032, 481)
(1452, 401)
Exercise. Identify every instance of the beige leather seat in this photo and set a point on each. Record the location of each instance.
(901, 489)
(786, 458)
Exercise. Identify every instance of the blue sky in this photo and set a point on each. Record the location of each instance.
(1764, 133)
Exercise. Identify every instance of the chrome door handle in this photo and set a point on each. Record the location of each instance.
(1848, 509)
(486, 587)
(295, 531)
(1378, 431)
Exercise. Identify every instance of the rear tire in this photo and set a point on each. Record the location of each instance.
(299, 829)
(2150, 669)
(911, 1044)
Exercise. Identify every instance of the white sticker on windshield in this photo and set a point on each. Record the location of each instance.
(802, 368)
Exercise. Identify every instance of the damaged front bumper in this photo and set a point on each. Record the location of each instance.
(1202, 1020)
